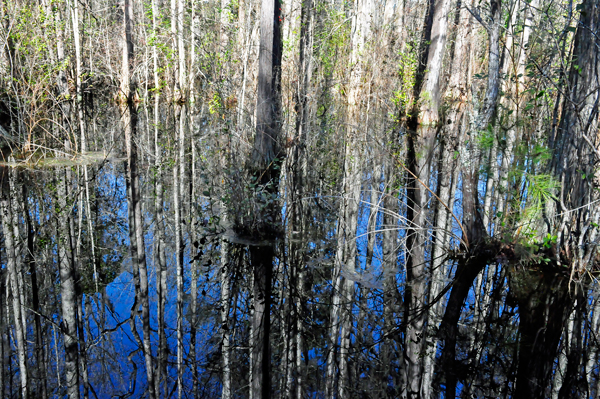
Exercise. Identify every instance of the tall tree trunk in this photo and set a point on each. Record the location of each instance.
(575, 149)
(160, 264)
(136, 234)
(545, 296)
(61, 83)
(4, 321)
(447, 179)
(345, 260)
(40, 354)
(178, 183)
(224, 274)
(421, 141)
(502, 195)
(391, 296)
(297, 170)
(68, 291)
(179, 250)
(474, 231)
(573, 384)
(179, 268)
(82, 346)
(543, 301)
(74, 11)
(265, 155)
(82, 127)
(6, 207)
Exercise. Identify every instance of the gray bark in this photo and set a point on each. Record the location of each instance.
(297, 165)
(136, 228)
(179, 282)
(430, 95)
(571, 216)
(4, 321)
(574, 146)
(6, 207)
(507, 158)
(420, 152)
(68, 290)
(40, 351)
(262, 159)
(226, 335)
(267, 107)
(160, 265)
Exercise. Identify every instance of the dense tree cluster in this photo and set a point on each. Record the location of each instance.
(255, 199)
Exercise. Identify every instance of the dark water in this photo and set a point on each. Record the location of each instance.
(354, 309)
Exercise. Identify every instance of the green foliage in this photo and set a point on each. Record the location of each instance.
(541, 154)
(549, 240)
(541, 188)
(485, 139)
(214, 104)
(330, 42)
(407, 70)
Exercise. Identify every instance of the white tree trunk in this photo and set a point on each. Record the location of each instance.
(226, 335)
(13, 271)
(68, 291)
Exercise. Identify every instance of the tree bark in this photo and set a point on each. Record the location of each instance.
(160, 264)
(574, 148)
(263, 166)
(545, 296)
(544, 301)
(421, 141)
(225, 335)
(129, 118)
(68, 289)
(40, 352)
(13, 269)
(574, 385)
(4, 321)
(297, 223)
(179, 268)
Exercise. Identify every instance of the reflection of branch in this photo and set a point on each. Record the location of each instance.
(132, 376)
(61, 328)
(401, 218)
(478, 18)
(104, 332)
(49, 320)
(7, 136)
(466, 240)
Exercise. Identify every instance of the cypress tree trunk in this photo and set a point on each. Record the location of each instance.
(68, 291)
(129, 118)
(546, 294)
(40, 354)
(263, 167)
(423, 127)
(179, 273)
(226, 334)
(6, 208)
(3, 339)
(160, 264)
(297, 171)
